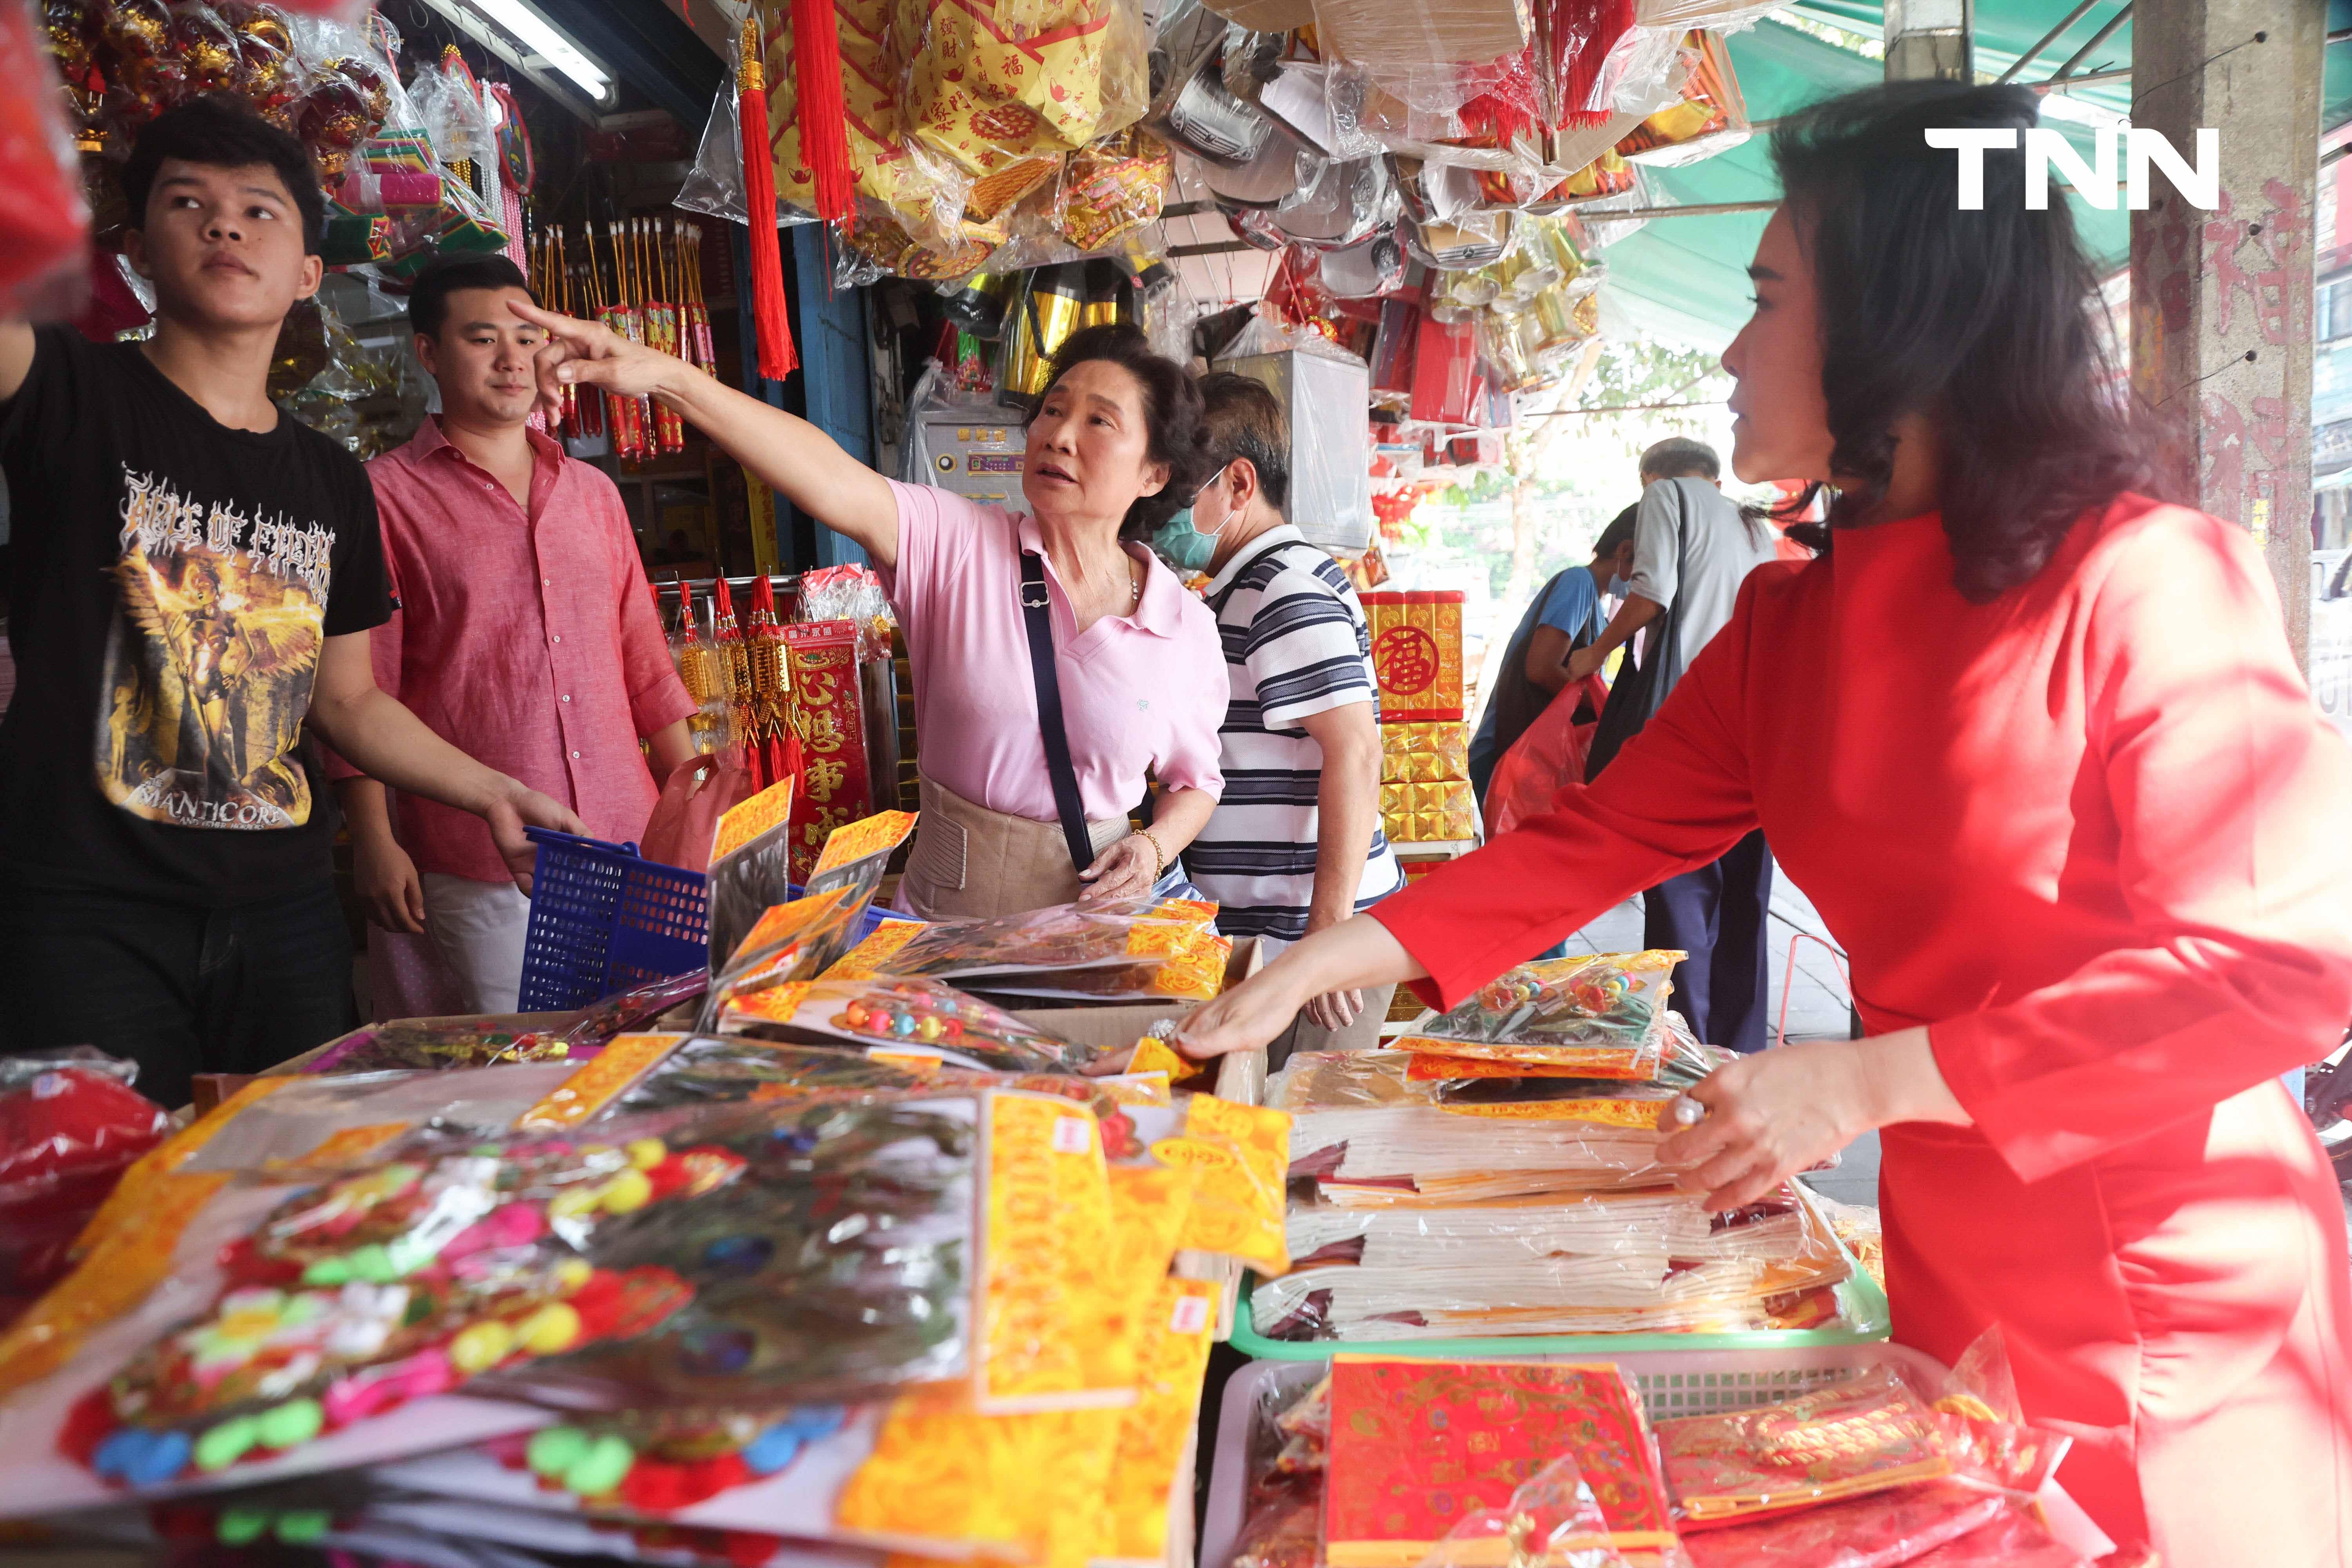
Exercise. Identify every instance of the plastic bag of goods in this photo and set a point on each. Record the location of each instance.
(44, 222)
(71, 1125)
(1008, 80)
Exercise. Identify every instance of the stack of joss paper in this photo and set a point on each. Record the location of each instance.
(1414, 1463)
(1496, 1173)
(728, 1298)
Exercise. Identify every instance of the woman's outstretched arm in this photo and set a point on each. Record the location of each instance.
(793, 457)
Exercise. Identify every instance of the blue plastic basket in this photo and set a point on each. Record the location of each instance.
(604, 919)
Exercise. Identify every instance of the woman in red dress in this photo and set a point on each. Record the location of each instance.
(2036, 746)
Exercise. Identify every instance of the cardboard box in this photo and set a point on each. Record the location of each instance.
(1392, 38)
(1268, 15)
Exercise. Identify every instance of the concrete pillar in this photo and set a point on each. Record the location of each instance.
(1930, 40)
(2221, 301)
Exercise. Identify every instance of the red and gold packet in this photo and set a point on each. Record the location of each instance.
(1416, 641)
(829, 717)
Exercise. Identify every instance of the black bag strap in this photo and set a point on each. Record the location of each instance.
(1641, 689)
(1037, 612)
(1670, 623)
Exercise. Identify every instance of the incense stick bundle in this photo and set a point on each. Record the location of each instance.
(661, 325)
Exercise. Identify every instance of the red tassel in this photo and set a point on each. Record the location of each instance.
(818, 108)
(1587, 30)
(777, 359)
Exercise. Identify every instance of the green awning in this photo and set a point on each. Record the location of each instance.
(1684, 278)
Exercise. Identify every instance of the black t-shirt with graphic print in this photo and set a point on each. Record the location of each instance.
(171, 583)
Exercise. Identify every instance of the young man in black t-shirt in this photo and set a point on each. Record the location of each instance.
(193, 578)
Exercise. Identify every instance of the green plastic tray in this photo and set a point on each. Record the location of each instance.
(1860, 1300)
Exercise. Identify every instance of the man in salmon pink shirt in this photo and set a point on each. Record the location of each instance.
(522, 631)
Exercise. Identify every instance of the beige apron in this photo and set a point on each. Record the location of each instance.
(971, 862)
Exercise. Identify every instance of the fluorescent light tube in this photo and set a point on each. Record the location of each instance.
(532, 28)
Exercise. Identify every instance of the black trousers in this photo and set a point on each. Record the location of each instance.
(178, 988)
(1717, 915)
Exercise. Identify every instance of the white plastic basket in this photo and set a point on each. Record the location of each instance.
(1673, 1382)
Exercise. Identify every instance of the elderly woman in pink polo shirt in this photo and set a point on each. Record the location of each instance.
(1137, 671)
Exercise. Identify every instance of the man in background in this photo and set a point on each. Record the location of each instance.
(522, 631)
(1562, 618)
(1691, 548)
(1295, 844)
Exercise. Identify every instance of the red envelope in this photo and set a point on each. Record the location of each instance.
(1416, 1445)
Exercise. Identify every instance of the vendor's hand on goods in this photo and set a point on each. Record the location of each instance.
(1769, 1116)
(1335, 1010)
(1584, 662)
(1125, 870)
(527, 807)
(587, 353)
(388, 885)
(1110, 1064)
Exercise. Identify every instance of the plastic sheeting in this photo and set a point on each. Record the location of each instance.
(1324, 397)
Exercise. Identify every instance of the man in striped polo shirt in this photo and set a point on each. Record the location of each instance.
(1295, 843)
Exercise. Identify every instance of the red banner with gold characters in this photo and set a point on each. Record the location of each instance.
(830, 719)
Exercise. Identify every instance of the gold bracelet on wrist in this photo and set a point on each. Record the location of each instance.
(1158, 855)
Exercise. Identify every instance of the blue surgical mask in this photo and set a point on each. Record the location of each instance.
(1181, 545)
(1618, 587)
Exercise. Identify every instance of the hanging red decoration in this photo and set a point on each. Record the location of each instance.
(771, 688)
(1585, 32)
(777, 359)
(819, 110)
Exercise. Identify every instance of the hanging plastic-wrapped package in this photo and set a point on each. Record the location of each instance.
(394, 172)
(1005, 80)
(205, 47)
(452, 113)
(44, 223)
(347, 98)
(887, 243)
(920, 195)
(453, 141)
(1710, 116)
(994, 194)
(1114, 187)
(1445, 364)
